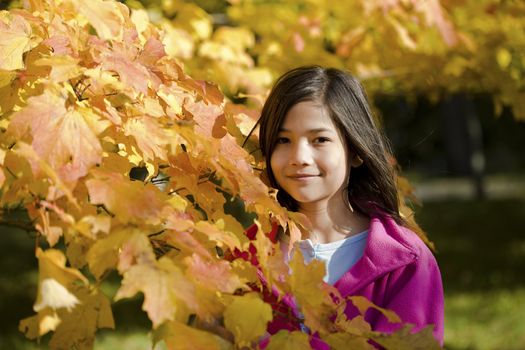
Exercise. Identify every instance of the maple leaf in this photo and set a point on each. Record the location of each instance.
(312, 294)
(168, 294)
(121, 248)
(55, 296)
(246, 317)
(363, 304)
(285, 340)
(63, 68)
(63, 137)
(15, 39)
(342, 341)
(107, 17)
(151, 138)
(179, 336)
(212, 274)
(40, 324)
(216, 233)
(55, 291)
(152, 52)
(93, 312)
(406, 339)
(122, 58)
(126, 198)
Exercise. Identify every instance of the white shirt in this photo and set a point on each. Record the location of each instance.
(339, 256)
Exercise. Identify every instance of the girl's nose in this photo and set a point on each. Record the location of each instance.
(301, 154)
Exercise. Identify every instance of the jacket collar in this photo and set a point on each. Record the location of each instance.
(387, 249)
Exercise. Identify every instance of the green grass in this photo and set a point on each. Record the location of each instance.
(480, 249)
(481, 253)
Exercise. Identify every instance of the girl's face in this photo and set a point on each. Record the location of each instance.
(309, 160)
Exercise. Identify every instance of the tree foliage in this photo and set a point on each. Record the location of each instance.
(90, 91)
(433, 47)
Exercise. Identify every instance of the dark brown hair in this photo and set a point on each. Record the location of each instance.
(372, 185)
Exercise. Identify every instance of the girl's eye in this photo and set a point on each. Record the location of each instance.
(321, 140)
(281, 140)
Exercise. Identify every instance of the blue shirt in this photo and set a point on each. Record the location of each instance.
(339, 256)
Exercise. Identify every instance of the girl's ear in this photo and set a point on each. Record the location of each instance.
(355, 161)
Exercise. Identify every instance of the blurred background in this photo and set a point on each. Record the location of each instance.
(447, 82)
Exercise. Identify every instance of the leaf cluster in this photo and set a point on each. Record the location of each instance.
(91, 91)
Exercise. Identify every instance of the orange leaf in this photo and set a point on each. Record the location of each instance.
(64, 138)
(125, 198)
(168, 294)
(212, 274)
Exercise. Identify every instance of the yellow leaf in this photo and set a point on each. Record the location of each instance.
(55, 296)
(177, 42)
(285, 340)
(126, 198)
(247, 317)
(40, 324)
(6, 77)
(504, 57)
(63, 68)
(216, 275)
(168, 294)
(106, 252)
(107, 17)
(179, 336)
(151, 138)
(61, 136)
(216, 233)
(363, 304)
(406, 339)
(343, 341)
(140, 19)
(77, 329)
(15, 39)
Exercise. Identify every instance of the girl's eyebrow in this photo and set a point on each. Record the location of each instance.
(311, 131)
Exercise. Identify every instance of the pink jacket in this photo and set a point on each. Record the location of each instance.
(397, 272)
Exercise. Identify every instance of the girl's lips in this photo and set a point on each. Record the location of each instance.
(302, 176)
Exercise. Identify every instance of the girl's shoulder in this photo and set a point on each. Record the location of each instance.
(386, 233)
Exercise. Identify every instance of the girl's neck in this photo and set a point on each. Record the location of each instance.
(333, 220)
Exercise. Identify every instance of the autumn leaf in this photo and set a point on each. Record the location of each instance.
(63, 68)
(60, 136)
(285, 340)
(126, 198)
(246, 317)
(313, 295)
(179, 336)
(406, 339)
(168, 294)
(121, 248)
(15, 40)
(93, 312)
(151, 138)
(216, 233)
(216, 275)
(55, 296)
(342, 341)
(107, 17)
(363, 304)
(40, 324)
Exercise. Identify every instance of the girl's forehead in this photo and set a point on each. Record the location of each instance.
(308, 115)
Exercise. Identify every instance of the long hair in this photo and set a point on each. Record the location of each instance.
(372, 185)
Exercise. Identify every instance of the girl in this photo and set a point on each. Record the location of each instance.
(329, 161)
